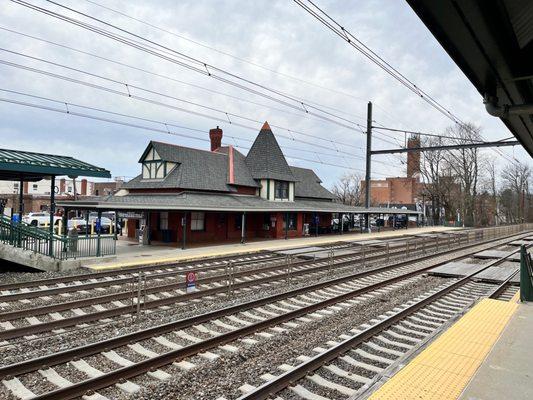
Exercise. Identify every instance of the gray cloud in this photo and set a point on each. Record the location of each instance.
(276, 34)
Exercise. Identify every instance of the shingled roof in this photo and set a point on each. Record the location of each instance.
(196, 169)
(308, 185)
(203, 170)
(266, 160)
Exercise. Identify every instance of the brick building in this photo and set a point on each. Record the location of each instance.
(37, 194)
(186, 194)
(399, 190)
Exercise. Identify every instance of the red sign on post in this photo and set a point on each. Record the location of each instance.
(190, 281)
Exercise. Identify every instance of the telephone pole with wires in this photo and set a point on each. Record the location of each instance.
(368, 163)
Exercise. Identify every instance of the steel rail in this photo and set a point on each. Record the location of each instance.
(288, 378)
(128, 309)
(79, 319)
(80, 388)
(130, 270)
(106, 283)
(213, 278)
(348, 259)
(186, 263)
(501, 288)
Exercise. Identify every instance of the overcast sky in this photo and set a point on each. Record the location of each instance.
(309, 61)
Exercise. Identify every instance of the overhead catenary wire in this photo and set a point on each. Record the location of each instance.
(427, 134)
(121, 39)
(226, 53)
(128, 93)
(164, 123)
(194, 64)
(152, 129)
(356, 43)
(153, 73)
(305, 105)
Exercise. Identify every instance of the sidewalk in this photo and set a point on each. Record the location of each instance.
(507, 372)
(130, 255)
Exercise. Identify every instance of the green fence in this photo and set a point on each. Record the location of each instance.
(38, 240)
(526, 275)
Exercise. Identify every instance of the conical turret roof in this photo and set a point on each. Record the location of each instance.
(266, 160)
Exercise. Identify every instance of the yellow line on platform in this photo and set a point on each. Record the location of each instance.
(166, 260)
(253, 247)
(442, 370)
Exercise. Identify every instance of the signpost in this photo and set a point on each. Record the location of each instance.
(190, 281)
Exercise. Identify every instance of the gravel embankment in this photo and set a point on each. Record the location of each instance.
(225, 375)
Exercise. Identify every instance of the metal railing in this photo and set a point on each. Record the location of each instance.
(40, 241)
(526, 275)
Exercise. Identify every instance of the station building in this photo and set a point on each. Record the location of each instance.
(187, 195)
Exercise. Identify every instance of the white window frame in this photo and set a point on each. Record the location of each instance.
(277, 184)
(163, 220)
(197, 221)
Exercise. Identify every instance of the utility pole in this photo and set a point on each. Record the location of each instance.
(368, 163)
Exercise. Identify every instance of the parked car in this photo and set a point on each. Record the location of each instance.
(82, 228)
(39, 219)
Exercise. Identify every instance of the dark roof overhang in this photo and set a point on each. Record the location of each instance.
(491, 41)
(29, 166)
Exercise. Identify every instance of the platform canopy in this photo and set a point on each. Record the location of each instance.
(29, 166)
(194, 201)
(491, 41)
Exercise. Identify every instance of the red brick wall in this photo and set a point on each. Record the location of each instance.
(393, 190)
(221, 227)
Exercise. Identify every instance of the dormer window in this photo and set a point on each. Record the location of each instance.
(153, 167)
(281, 190)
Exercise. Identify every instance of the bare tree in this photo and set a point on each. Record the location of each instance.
(490, 185)
(465, 164)
(348, 190)
(515, 193)
(438, 182)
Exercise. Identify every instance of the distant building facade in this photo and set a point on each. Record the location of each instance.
(37, 194)
(399, 190)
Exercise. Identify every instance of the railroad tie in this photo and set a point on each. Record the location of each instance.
(82, 366)
(54, 378)
(331, 385)
(18, 389)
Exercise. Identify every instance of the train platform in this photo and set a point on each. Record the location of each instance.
(485, 355)
(133, 255)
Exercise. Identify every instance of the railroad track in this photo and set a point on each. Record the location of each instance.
(30, 321)
(507, 289)
(214, 272)
(85, 282)
(148, 269)
(172, 343)
(351, 365)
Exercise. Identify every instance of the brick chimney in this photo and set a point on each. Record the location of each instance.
(231, 166)
(84, 187)
(216, 138)
(62, 184)
(413, 157)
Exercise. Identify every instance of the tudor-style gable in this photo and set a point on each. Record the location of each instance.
(153, 166)
(264, 172)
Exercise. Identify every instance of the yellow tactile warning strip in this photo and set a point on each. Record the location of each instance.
(214, 252)
(442, 370)
(516, 297)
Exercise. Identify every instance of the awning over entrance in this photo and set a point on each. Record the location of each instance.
(195, 201)
(29, 166)
(23, 166)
